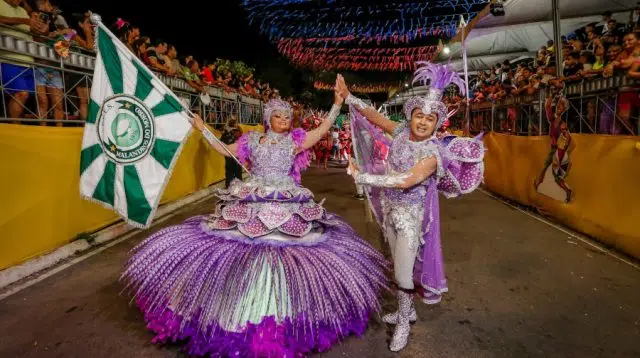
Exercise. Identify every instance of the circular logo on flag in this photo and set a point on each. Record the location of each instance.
(125, 129)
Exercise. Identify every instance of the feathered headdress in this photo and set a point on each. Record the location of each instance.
(439, 78)
(275, 105)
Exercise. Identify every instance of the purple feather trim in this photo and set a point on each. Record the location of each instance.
(266, 339)
(440, 76)
(302, 159)
(243, 150)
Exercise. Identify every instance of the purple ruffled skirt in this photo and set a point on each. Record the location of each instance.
(222, 293)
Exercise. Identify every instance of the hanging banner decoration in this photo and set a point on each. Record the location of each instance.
(359, 88)
(336, 35)
(278, 19)
(133, 135)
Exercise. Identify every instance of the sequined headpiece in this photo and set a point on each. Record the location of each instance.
(275, 105)
(439, 77)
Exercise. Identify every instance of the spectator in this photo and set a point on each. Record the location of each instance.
(190, 74)
(17, 75)
(128, 33)
(625, 59)
(155, 56)
(84, 38)
(49, 84)
(171, 60)
(208, 71)
(140, 46)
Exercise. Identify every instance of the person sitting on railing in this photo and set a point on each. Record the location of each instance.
(17, 79)
(157, 61)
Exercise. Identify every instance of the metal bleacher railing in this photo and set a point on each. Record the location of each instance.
(593, 108)
(68, 105)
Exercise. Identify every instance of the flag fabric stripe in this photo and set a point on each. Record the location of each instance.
(101, 87)
(90, 136)
(167, 106)
(163, 151)
(92, 114)
(129, 76)
(120, 191)
(143, 84)
(111, 61)
(153, 98)
(167, 131)
(91, 176)
(105, 189)
(88, 155)
(149, 169)
(138, 207)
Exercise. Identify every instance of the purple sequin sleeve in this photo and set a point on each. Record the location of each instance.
(243, 150)
(302, 159)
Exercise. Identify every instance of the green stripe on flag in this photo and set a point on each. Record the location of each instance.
(105, 189)
(164, 151)
(94, 108)
(111, 61)
(138, 208)
(88, 155)
(143, 84)
(167, 106)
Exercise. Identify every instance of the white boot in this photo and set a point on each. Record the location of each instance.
(401, 333)
(392, 318)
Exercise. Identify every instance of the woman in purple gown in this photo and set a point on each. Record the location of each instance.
(403, 185)
(270, 272)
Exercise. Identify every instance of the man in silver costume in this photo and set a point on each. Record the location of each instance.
(419, 166)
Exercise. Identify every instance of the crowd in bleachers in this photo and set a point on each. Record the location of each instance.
(41, 21)
(597, 50)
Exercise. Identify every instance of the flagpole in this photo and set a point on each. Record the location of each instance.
(466, 74)
(97, 20)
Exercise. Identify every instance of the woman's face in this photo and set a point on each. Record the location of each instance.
(280, 121)
(422, 125)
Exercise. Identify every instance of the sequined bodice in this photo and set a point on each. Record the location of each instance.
(272, 159)
(403, 155)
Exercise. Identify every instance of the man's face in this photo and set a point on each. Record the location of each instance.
(161, 48)
(613, 52)
(630, 42)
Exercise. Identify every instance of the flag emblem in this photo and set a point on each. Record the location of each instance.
(125, 129)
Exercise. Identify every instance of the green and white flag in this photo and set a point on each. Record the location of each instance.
(133, 135)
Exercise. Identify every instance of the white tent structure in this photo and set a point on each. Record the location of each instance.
(526, 26)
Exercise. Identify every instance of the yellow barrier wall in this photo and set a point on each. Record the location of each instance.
(41, 207)
(605, 178)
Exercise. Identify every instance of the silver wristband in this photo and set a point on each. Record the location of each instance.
(333, 113)
(385, 181)
(355, 101)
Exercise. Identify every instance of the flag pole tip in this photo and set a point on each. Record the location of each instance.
(95, 18)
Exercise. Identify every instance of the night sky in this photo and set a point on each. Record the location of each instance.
(197, 28)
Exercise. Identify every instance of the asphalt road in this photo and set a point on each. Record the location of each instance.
(518, 288)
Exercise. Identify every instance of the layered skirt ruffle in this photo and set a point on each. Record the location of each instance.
(225, 294)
